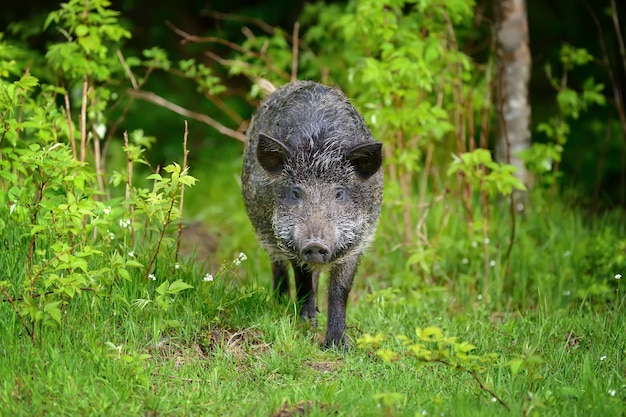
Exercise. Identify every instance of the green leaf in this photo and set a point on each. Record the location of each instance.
(53, 310)
(81, 30)
(178, 286)
(162, 289)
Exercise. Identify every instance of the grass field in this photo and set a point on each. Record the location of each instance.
(554, 343)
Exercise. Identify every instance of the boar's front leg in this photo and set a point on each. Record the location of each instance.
(341, 276)
(306, 291)
(281, 278)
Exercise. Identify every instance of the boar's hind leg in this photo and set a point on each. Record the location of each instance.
(306, 291)
(281, 278)
(341, 276)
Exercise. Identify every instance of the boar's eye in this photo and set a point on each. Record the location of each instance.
(340, 194)
(295, 193)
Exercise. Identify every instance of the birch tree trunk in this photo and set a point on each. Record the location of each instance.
(513, 74)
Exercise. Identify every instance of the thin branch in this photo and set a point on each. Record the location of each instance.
(129, 185)
(484, 388)
(130, 74)
(8, 298)
(230, 63)
(187, 37)
(238, 18)
(83, 120)
(160, 101)
(17, 311)
(294, 51)
(182, 191)
(70, 125)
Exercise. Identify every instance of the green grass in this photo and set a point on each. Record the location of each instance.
(556, 323)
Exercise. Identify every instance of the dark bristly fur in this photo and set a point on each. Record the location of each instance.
(312, 185)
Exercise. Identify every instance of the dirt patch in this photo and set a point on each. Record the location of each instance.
(302, 408)
(171, 351)
(323, 366)
(238, 343)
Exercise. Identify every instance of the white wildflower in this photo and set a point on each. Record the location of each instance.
(492, 263)
(567, 254)
(152, 277)
(176, 266)
(208, 278)
(603, 357)
(618, 276)
(612, 392)
(107, 210)
(131, 254)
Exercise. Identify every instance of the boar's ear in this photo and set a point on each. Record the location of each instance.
(271, 153)
(366, 158)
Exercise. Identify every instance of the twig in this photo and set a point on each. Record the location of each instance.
(484, 388)
(130, 74)
(70, 125)
(8, 298)
(17, 311)
(294, 51)
(83, 120)
(160, 101)
(162, 235)
(187, 37)
(238, 18)
(129, 184)
(182, 191)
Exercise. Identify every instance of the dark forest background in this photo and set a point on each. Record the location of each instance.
(593, 158)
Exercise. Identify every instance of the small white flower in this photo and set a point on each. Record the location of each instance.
(107, 210)
(603, 357)
(424, 412)
(464, 261)
(486, 241)
(494, 399)
(618, 276)
(124, 223)
(176, 266)
(208, 278)
(13, 205)
(612, 392)
(492, 263)
(520, 207)
(111, 236)
(242, 256)
(480, 296)
(567, 254)
(152, 277)
(131, 254)
(474, 244)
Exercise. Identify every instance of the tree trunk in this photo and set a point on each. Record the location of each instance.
(511, 99)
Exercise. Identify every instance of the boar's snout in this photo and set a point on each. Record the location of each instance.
(315, 252)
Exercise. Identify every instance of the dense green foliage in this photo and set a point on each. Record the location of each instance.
(467, 304)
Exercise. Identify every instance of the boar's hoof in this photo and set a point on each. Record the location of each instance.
(315, 253)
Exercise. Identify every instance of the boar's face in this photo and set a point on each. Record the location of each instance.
(324, 209)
